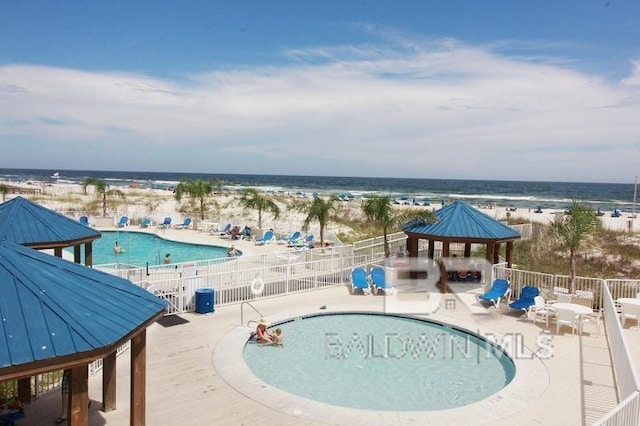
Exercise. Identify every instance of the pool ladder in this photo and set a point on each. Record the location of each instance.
(242, 312)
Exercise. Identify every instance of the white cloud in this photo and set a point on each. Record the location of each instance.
(431, 110)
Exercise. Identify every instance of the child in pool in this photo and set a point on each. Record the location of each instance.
(276, 337)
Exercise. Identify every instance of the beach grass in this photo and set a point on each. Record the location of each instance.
(604, 255)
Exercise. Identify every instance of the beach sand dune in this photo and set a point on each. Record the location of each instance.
(69, 199)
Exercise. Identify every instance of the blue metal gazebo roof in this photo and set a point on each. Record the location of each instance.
(25, 222)
(52, 308)
(459, 220)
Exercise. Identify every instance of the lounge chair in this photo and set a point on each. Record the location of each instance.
(225, 230)
(306, 243)
(359, 281)
(266, 238)
(146, 222)
(379, 280)
(166, 223)
(499, 290)
(124, 221)
(291, 240)
(84, 220)
(526, 299)
(183, 225)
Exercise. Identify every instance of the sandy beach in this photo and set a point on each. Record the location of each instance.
(158, 204)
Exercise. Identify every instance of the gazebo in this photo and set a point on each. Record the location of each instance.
(93, 312)
(458, 222)
(30, 224)
(59, 315)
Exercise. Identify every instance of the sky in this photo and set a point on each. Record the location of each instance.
(477, 89)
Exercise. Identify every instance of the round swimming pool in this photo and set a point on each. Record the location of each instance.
(141, 248)
(380, 362)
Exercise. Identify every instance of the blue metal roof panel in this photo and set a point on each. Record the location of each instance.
(25, 222)
(52, 307)
(460, 220)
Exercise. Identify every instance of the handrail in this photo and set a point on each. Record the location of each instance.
(247, 302)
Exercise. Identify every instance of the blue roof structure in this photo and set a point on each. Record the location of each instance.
(25, 222)
(460, 221)
(51, 308)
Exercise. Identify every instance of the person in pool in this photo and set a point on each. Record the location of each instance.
(232, 251)
(262, 335)
(117, 248)
(167, 258)
(276, 337)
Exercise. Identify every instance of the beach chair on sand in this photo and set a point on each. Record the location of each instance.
(124, 221)
(84, 220)
(146, 222)
(499, 290)
(166, 223)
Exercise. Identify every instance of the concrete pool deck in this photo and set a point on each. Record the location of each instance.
(184, 386)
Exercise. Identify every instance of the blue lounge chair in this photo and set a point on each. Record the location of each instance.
(379, 280)
(166, 223)
(146, 222)
(292, 239)
(499, 290)
(84, 220)
(184, 224)
(359, 281)
(526, 299)
(124, 221)
(225, 230)
(306, 243)
(266, 238)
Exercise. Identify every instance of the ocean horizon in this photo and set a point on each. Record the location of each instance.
(519, 194)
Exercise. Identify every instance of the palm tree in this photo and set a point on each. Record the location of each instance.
(199, 190)
(379, 210)
(102, 191)
(252, 199)
(321, 210)
(4, 190)
(571, 232)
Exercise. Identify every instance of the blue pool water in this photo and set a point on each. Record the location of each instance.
(380, 362)
(140, 248)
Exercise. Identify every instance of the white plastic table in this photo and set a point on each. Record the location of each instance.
(575, 307)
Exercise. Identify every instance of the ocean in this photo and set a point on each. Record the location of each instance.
(518, 194)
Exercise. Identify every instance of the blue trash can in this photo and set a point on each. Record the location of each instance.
(205, 299)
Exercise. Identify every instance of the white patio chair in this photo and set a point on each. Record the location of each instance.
(560, 290)
(585, 294)
(541, 310)
(629, 311)
(593, 318)
(566, 317)
(563, 298)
